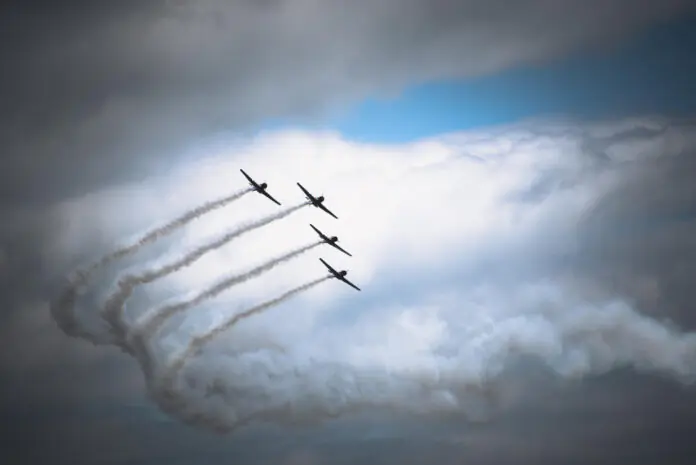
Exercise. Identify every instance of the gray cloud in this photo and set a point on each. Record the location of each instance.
(117, 89)
(632, 417)
(625, 246)
(638, 240)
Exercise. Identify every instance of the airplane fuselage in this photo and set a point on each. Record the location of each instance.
(316, 201)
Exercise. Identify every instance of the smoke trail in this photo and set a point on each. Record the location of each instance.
(167, 229)
(174, 403)
(197, 342)
(113, 308)
(144, 331)
(62, 309)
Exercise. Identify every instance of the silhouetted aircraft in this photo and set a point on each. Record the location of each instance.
(340, 275)
(260, 188)
(330, 240)
(316, 201)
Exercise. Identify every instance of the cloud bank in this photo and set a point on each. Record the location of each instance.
(478, 252)
(136, 86)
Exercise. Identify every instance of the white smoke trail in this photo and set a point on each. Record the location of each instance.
(199, 341)
(62, 309)
(113, 308)
(167, 229)
(145, 330)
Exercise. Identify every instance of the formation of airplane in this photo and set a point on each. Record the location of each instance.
(260, 188)
(319, 203)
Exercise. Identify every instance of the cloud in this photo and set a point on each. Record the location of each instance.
(477, 252)
(3, 263)
(136, 87)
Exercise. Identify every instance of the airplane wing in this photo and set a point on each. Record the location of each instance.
(248, 177)
(305, 191)
(320, 233)
(345, 280)
(334, 272)
(269, 196)
(321, 205)
(340, 248)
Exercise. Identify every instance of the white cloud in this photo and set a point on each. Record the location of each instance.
(462, 270)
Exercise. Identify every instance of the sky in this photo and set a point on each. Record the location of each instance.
(650, 73)
(512, 179)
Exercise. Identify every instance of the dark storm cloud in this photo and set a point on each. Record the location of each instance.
(94, 91)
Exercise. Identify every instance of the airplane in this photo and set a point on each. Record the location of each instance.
(260, 188)
(316, 201)
(340, 275)
(330, 240)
